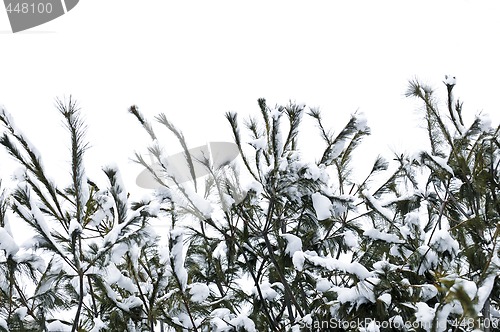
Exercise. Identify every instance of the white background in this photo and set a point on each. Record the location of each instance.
(196, 60)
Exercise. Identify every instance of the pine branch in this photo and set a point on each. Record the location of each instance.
(118, 192)
(180, 137)
(78, 147)
(265, 115)
(316, 114)
(147, 126)
(294, 114)
(232, 118)
(140, 160)
(438, 133)
(33, 163)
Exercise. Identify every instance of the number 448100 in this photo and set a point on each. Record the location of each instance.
(30, 8)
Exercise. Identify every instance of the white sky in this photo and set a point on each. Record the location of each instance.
(195, 60)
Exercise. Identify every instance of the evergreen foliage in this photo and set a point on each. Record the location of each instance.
(275, 243)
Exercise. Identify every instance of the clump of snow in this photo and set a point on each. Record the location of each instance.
(98, 325)
(199, 292)
(484, 291)
(336, 150)
(118, 251)
(469, 287)
(361, 122)
(276, 113)
(84, 188)
(346, 294)
(405, 231)
(20, 174)
(223, 313)
(199, 204)
(443, 164)
(338, 208)
(412, 218)
(400, 250)
(183, 320)
(455, 184)
(119, 184)
(227, 201)
(294, 244)
(114, 276)
(323, 285)
(57, 326)
(220, 317)
(384, 265)
(106, 204)
(331, 264)
(75, 282)
(386, 298)
(350, 239)
(112, 236)
(424, 315)
(254, 186)
(134, 252)
(130, 303)
(21, 312)
(74, 226)
(313, 172)
(35, 261)
(322, 206)
(57, 265)
(220, 251)
(298, 260)
(386, 213)
(412, 226)
(450, 80)
(244, 322)
(3, 324)
(131, 326)
(429, 258)
(484, 122)
(378, 235)
(7, 243)
(110, 292)
(177, 255)
(153, 206)
(442, 241)
(259, 143)
(266, 290)
(427, 292)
